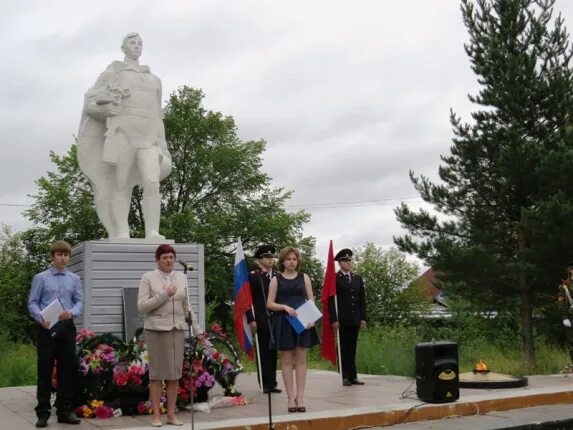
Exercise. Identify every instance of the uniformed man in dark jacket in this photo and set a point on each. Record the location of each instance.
(260, 279)
(350, 316)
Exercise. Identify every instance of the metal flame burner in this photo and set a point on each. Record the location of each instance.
(488, 379)
(482, 377)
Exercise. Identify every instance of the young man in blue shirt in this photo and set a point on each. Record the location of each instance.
(59, 343)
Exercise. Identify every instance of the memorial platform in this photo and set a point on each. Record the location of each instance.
(329, 405)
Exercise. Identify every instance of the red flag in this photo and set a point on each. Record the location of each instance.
(328, 346)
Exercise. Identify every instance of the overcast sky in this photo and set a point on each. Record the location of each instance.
(349, 95)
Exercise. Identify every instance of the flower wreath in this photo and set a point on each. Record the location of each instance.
(116, 372)
(98, 355)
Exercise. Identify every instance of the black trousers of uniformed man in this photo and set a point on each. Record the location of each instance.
(61, 347)
(268, 360)
(569, 333)
(348, 341)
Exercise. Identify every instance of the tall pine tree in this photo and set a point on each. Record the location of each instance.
(505, 201)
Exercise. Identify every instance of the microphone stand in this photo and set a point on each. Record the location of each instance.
(272, 340)
(192, 346)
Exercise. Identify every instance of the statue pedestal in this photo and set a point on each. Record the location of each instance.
(139, 241)
(107, 267)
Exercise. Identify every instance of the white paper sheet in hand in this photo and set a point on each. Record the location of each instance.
(305, 314)
(52, 312)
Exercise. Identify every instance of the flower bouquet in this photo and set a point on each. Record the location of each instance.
(224, 367)
(98, 356)
(144, 408)
(205, 365)
(118, 373)
(131, 373)
(97, 409)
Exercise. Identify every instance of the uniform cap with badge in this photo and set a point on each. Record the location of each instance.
(265, 251)
(343, 254)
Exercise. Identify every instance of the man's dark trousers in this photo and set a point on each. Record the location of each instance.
(268, 359)
(62, 348)
(348, 341)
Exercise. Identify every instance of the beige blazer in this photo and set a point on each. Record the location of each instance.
(160, 311)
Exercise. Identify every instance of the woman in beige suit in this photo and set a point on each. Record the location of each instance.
(163, 301)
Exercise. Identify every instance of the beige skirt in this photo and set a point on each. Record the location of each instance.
(165, 351)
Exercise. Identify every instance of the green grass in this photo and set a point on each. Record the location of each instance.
(508, 359)
(17, 365)
(391, 351)
(381, 351)
(386, 351)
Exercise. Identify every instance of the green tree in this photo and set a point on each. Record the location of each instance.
(216, 193)
(15, 279)
(505, 200)
(388, 278)
(63, 206)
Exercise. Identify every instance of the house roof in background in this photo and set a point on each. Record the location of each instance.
(428, 281)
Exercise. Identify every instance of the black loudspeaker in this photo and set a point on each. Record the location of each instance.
(437, 379)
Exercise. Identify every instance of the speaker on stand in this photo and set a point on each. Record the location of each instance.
(437, 375)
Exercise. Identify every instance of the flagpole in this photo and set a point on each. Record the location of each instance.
(338, 336)
(260, 372)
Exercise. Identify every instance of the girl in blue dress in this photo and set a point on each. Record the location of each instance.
(287, 291)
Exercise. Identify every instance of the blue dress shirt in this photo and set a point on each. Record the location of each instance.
(50, 285)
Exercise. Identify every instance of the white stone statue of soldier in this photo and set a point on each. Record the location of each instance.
(121, 141)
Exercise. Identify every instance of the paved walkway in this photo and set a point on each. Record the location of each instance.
(540, 417)
(329, 405)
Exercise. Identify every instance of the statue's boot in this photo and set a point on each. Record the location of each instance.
(151, 217)
(103, 210)
(120, 213)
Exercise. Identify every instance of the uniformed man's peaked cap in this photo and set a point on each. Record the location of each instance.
(265, 251)
(343, 254)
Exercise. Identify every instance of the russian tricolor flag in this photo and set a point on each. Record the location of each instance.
(243, 301)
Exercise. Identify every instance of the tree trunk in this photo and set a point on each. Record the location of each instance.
(526, 306)
(528, 348)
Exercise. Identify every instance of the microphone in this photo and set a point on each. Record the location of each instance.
(186, 266)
